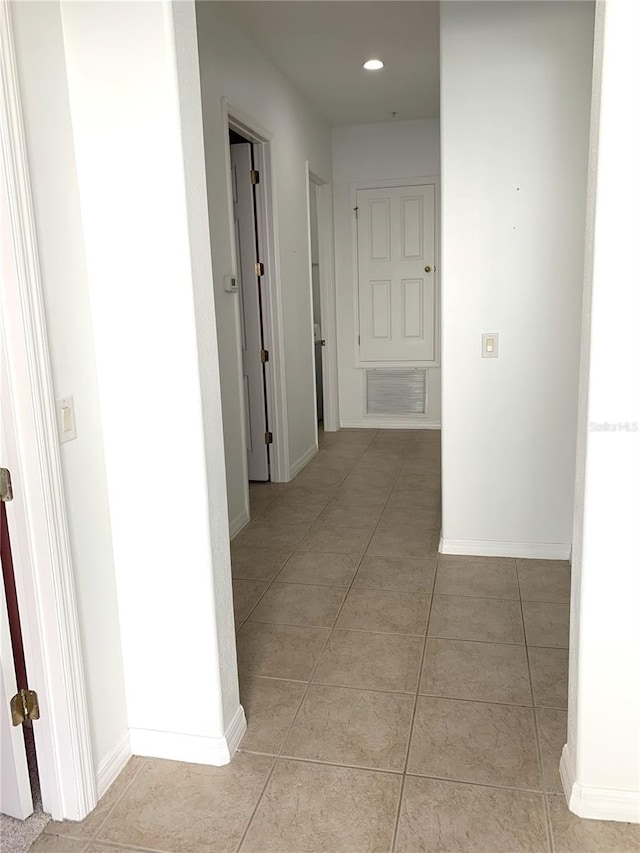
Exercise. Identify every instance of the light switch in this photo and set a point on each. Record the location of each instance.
(490, 345)
(66, 419)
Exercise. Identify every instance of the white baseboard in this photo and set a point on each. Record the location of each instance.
(390, 423)
(238, 523)
(299, 464)
(491, 548)
(112, 765)
(193, 749)
(597, 803)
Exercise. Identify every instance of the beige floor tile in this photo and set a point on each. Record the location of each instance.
(362, 496)
(377, 463)
(279, 513)
(447, 816)
(544, 580)
(180, 808)
(477, 577)
(474, 742)
(417, 481)
(318, 567)
(308, 493)
(370, 661)
(257, 563)
(552, 732)
(87, 828)
(314, 808)
(279, 651)
(428, 499)
(487, 672)
(352, 516)
(336, 540)
(385, 611)
(370, 479)
(401, 573)
(423, 465)
(549, 676)
(300, 604)
(54, 844)
(246, 595)
(355, 727)
(270, 706)
(572, 834)
(320, 476)
(257, 535)
(415, 543)
(411, 519)
(456, 617)
(546, 624)
(102, 848)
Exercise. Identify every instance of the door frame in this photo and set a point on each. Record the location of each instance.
(234, 118)
(37, 515)
(324, 209)
(386, 184)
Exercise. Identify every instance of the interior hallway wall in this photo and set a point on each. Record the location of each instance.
(233, 67)
(515, 100)
(367, 152)
(47, 120)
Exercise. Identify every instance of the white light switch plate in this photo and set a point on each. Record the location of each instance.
(66, 415)
(490, 345)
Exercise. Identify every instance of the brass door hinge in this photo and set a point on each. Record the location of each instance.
(24, 706)
(268, 438)
(6, 492)
(255, 176)
(259, 269)
(264, 355)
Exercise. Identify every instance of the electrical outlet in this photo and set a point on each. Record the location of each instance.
(490, 345)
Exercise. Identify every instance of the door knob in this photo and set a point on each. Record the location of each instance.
(427, 268)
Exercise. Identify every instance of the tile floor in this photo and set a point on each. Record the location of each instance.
(396, 700)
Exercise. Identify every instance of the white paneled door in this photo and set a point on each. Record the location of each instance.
(251, 331)
(396, 274)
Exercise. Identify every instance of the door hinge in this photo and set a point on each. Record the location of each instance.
(24, 706)
(264, 355)
(358, 340)
(6, 492)
(259, 269)
(355, 210)
(268, 438)
(255, 176)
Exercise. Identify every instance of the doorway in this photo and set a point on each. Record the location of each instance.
(316, 296)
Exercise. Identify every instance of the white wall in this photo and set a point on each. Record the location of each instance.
(367, 152)
(515, 98)
(233, 67)
(137, 132)
(43, 89)
(601, 762)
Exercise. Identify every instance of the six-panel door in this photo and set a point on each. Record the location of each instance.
(396, 274)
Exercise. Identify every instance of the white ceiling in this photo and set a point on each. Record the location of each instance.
(320, 46)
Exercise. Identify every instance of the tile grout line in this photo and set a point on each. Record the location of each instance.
(545, 805)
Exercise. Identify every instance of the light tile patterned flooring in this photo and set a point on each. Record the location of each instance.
(396, 700)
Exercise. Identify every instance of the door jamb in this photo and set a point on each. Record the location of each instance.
(37, 515)
(236, 119)
(331, 419)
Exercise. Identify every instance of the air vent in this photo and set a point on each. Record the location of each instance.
(396, 392)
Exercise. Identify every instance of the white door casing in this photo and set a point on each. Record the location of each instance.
(250, 313)
(397, 297)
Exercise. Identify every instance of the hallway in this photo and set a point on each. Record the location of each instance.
(400, 720)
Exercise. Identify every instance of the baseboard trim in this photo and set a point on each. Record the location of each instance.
(494, 548)
(597, 803)
(194, 749)
(238, 523)
(112, 765)
(299, 464)
(390, 423)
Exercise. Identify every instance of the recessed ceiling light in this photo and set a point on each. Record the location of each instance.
(373, 64)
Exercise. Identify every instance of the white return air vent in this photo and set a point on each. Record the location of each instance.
(396, 392)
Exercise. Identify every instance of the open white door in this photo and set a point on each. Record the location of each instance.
(15, 788)
(396, 274)
(251, 330)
